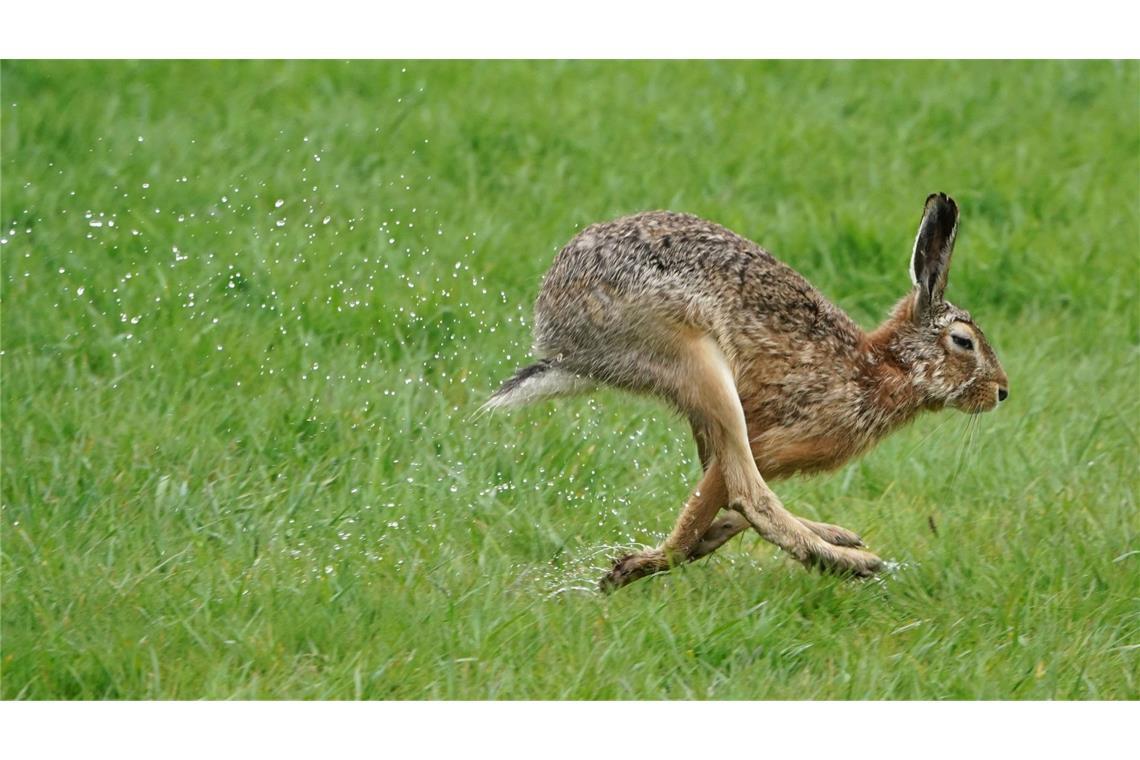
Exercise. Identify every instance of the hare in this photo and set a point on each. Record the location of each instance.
(773, 378)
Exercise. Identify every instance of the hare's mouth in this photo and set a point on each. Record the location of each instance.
(980, 399)
(981, 405)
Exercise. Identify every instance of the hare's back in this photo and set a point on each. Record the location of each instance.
(684, 268)
(631, 250)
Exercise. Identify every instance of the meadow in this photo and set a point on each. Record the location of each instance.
(250, 308)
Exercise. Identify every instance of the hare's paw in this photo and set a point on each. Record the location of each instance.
(833, 534)
(842, 560)
(631, 567)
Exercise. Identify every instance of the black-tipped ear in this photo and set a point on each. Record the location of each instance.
(933, 246)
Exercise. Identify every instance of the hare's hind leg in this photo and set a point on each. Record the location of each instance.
(836, 535)
(709, 395)
(699, 381)
(730, 524)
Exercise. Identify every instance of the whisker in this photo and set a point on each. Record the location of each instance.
(922, 441)
(963, 446)
(971, 437)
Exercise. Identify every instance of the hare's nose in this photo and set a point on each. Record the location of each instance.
(1003, 394)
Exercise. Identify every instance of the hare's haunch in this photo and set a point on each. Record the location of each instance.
(774, 379)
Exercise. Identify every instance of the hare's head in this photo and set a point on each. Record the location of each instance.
(951, 361)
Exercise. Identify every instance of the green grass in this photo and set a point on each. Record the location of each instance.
(239, 459)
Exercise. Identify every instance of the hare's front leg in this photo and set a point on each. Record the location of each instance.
(692, 524)
(709, 396)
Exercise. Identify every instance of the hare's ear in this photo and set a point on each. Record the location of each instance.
(933, 246)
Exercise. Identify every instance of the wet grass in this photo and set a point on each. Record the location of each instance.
(249, 309)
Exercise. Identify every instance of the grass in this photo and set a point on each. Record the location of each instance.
(249, 309)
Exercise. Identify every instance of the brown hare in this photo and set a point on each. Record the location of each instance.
(773, 378)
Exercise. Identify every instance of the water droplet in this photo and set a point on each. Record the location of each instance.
(278, 203)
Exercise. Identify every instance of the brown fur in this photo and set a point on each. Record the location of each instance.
(774, 379)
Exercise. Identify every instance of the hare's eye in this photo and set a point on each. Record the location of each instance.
(962, 342)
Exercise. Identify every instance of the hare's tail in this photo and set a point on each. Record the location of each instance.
(537, 382)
